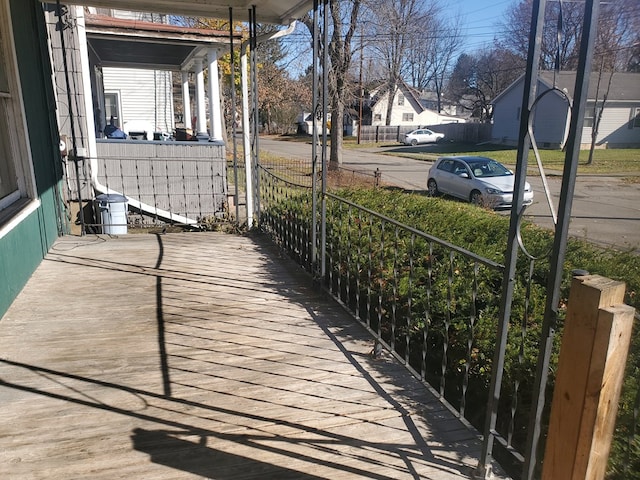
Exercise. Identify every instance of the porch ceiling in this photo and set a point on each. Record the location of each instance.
(122, 42)
(267, 11)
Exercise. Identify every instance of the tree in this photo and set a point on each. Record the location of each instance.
(344, 16)
(617, 40)
(477, 79)
(280, 98)
(516, 33)
(395, 24)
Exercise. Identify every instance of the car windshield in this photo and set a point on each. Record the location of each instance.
(488, 168)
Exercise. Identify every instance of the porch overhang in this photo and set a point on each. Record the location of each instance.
(121, 42)
(281, 12)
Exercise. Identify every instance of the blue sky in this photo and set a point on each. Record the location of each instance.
(479, 19)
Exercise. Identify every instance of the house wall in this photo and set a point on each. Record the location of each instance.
(379, 110)
(145, 95)
(550, 118)
(72, 55)
(551, 121)
(425, 117)
(614, 130)
(506, 117)
(23, 245)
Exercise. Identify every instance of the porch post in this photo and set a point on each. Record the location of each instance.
(215, 116)
(186, 101)
(246, 138)
(201, 111)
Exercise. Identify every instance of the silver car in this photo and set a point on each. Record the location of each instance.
(422, 135)
(479, 180)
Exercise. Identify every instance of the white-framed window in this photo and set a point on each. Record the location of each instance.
(635, 117)
(407, 117)
(16, 178)
(112, 107)
(377, 117)
(589, 118)
(400, 99)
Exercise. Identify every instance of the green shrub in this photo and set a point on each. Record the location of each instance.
(439, 285)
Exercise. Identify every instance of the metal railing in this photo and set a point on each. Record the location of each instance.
(432, 304)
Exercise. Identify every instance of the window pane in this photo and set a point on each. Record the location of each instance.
(4, 81)
(111, 108)
(8, 180)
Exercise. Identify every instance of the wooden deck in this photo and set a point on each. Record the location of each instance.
(204, 355)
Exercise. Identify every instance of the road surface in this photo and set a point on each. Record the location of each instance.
(606, 208)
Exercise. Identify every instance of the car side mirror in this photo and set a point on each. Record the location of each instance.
(464, 175)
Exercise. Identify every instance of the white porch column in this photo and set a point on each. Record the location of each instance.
(246, 139)
(201, 111)
(186, 100)
(215, 115)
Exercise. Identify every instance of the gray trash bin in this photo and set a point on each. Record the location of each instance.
(113, 213)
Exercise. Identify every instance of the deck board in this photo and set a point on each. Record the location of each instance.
(205, 355)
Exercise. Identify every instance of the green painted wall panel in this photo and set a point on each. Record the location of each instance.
(20, 254)
(24, 247)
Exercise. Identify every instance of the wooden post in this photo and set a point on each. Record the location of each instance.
(593, 354)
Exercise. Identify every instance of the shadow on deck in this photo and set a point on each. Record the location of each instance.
(205, 355)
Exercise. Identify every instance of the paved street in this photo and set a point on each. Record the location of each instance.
(606, 209)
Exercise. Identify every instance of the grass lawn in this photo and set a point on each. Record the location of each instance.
(619, 161)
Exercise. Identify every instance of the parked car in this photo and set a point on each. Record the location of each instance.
(422, 135)
(479, 180)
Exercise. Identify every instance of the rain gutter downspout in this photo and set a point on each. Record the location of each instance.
(246, 140)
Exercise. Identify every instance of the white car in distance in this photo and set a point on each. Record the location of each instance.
(422, 135)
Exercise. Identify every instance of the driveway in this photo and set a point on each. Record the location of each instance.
(606, 208)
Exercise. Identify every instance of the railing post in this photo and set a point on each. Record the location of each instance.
(594, 349)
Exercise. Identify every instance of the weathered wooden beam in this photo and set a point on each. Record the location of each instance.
(593, 354)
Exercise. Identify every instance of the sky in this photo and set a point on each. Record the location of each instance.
(479, 19)
(479, 25)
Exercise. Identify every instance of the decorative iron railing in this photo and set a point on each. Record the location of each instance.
(432, 304)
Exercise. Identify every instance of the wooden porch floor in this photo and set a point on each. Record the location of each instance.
(204, 355)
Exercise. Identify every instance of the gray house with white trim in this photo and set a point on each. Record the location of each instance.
(620, 125)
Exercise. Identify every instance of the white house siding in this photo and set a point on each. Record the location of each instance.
(145, 95)
(425, 117)
(506, 118)
(397, 112)
(550, 118)
(550, 122)
(614, 128)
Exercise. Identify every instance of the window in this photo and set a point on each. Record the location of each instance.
(635, 117)
(407, 117)
(589, 116)
(377, 117)
(14, 154)
(400, 99)
(112, 108)
(446, 165)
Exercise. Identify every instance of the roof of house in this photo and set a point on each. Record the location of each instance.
(125, 42)
(269, 11)
(410, 94)
(624, 86)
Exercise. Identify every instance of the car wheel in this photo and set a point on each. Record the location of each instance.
(414, 142)
(432, 188)
(476, 197)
